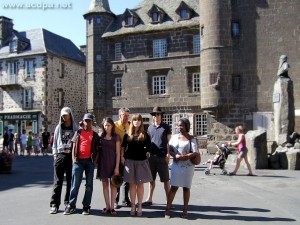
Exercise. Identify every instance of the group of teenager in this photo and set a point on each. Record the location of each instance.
(123, 148)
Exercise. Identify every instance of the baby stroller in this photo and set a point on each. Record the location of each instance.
(220, 160)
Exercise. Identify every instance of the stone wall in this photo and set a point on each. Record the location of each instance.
(13, 98)
(71, 85)
(138, 67)
(268, 30)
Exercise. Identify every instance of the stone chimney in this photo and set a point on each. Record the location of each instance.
(6, 30)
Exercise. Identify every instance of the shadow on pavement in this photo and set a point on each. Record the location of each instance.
(219, 213)
(28, 171)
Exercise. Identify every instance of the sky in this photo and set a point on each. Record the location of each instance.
(62, 17)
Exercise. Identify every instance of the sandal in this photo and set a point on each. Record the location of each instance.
(105, 211)
(184, 214)
(250, 174)
(139, 213)
(133, 211)
(231, 174)
(113, 212)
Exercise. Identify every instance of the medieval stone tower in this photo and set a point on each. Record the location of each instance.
(97, 19)
(216, 63)
(216, 54)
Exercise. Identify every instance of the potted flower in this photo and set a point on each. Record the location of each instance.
(6, 160)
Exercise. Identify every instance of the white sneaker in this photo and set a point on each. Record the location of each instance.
(53, 210)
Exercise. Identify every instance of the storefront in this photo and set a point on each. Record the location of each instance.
(19, 121)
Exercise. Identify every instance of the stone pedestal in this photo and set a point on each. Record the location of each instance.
(284, 110)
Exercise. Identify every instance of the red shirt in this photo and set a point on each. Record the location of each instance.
(85, 144)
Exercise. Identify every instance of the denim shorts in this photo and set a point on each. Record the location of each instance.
(243, 153)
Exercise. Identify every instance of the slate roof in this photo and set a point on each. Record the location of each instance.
(144, 24)
(99, 6)
(43, 41)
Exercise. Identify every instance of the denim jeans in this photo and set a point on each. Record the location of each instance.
(87, 166)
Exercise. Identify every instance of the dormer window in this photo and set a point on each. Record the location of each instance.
(128, 21)
(184, 14)
(184, 11)
(13, 46)
(130, 18)
(156, 14)
(155, 17)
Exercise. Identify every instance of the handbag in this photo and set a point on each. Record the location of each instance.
(197, 159)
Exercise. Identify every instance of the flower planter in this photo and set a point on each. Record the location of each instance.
(5, 168)
(6, 161)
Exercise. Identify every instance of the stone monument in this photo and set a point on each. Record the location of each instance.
(283, 103)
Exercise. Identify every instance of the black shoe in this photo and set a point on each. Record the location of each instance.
(86, 210)
(53, 209)
(69, 210)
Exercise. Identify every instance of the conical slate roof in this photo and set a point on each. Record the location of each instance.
(98, 6)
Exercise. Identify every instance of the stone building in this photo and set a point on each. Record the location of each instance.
(145, 57)
(241, 42)
(40, 73)
(214, 61)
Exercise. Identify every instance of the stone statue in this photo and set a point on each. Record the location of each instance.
(283, 67)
